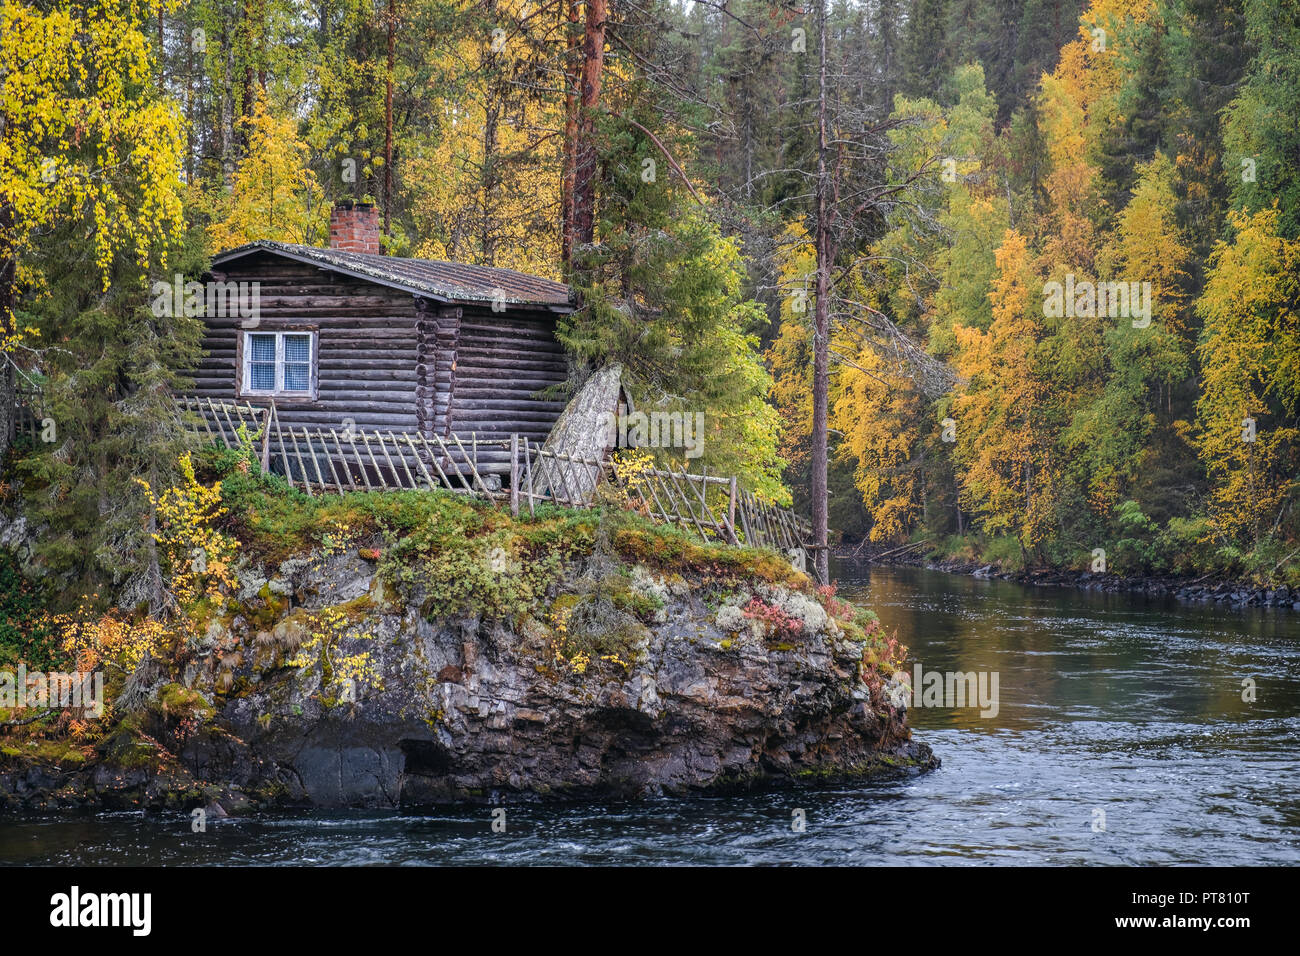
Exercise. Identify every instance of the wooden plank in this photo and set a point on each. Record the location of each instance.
(514, 475)
(265, 458)
(360, 464)
(405, 467)
(418, 460)
(343, 460)
(528, 478)
(302, 466)
(329, 460)
(311, 450)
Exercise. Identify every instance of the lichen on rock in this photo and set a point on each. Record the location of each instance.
(440, 651)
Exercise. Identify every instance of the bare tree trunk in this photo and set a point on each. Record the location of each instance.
(228, 107)
(162, 55)
(821, 329)
(491, 183)
(593, 62)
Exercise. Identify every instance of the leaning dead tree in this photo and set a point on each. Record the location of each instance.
(580, 434)
(867, 327)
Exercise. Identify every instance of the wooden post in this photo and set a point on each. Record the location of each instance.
(402, 458)
(379, 475)
(419, 462)
(302, 466)
(514, 474)
(352, 443)
(397, 479)
(343, 459)
(528, 478)
(284, 454)
(433, 460)
(315, 462)
(731, 511)
(329, 460)
(266, 438)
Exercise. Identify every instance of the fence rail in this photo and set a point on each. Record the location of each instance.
(320, 460)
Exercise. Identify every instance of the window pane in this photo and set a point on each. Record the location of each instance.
(262, 376)
(262, 348)
(297, 376)
(297, 348)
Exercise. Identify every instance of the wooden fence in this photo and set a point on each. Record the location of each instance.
(324, 460)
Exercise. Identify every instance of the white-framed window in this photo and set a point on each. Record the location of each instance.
(279, 363)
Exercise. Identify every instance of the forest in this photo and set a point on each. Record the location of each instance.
(1017, 278)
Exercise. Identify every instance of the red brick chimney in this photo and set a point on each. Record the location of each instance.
(354, 227)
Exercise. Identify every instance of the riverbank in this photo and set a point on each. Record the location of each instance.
(1189, 590)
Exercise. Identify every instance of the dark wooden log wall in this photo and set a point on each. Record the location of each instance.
(502, 361)
(367, 345)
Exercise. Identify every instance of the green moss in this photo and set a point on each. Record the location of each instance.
(183, 702)
(672, 548)
(266, 609)
(358, 609)
(564, 603)
(57, 753)
(130, 749)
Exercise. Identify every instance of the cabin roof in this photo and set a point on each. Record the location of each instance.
(443, 281)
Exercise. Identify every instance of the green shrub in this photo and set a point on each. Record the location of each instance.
(24, 633)
(1005, 552)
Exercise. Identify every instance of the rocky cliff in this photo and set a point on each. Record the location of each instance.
(346, 676)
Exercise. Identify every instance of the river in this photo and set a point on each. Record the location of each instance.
(1121, 737)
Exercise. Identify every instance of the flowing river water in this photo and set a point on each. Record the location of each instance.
(1121, 737)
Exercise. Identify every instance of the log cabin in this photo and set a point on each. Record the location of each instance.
(345, 337)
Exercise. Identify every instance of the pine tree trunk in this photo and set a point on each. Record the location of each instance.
(593, 62)
(388, 122)
(821, 330)
(571, 80)
(491, 185)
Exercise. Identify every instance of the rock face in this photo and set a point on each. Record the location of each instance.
(471, 710)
